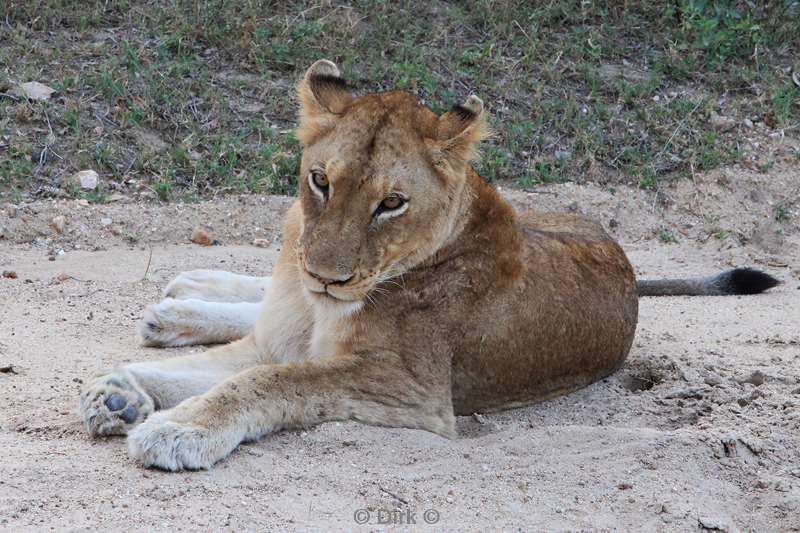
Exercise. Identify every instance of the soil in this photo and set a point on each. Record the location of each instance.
(699, 430)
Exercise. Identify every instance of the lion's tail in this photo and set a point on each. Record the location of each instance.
(735, 281)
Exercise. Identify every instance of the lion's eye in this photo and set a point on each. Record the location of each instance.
(319, 182)
(392, 204)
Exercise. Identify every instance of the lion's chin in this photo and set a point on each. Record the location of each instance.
(339, 303)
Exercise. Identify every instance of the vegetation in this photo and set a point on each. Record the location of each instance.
(185, 98)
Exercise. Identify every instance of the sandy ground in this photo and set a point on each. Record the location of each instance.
(699, 430)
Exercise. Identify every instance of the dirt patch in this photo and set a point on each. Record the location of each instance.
(699, 429)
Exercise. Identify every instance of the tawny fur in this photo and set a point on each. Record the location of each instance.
(455, 306)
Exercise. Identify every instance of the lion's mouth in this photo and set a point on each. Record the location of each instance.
(331, 293)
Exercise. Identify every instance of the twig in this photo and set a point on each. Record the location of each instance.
(149, 258)
(539, 191)
(393, 495)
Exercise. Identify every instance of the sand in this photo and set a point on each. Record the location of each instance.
(699, 430)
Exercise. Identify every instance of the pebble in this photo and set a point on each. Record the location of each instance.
(722, 123)
(10, 274)
(106, 221)
(202, 236)
(261, 243)
(58, 223)
(756, 378)
(87, 179)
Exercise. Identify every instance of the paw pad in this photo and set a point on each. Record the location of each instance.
(113, 404)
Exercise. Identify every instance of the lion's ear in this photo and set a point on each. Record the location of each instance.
(323, 96)
(458, 133)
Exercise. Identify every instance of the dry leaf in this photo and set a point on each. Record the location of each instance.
(36, 91)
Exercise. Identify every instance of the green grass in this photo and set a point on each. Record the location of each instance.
(668, 237)
(577, 91)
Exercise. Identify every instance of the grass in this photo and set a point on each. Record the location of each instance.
(668, 237)
(191, 99)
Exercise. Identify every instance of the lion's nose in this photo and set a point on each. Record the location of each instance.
(330, 279)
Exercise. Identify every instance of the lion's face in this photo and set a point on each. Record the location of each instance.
(380, 180)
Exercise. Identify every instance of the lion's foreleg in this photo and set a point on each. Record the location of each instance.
(373, 389)
(115, 402)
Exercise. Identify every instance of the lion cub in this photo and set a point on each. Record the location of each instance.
(407, 291)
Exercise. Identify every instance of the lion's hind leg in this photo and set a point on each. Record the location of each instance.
(174, 322)
(217, 286)
(204, 307)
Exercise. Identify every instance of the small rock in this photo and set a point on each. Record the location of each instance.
(713, 523)
(722, 123)
(87, 179)
(261, 243)
(202, 236)
(748, 123)
(573, 207)
(83, 202)
(756, 378)
(106, 221)
(10, 274)
(58, 224)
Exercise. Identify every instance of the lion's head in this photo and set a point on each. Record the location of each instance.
(382, 182)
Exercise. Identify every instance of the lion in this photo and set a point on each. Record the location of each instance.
(407, 292)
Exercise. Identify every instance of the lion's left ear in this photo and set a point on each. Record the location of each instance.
(458, 133)
(323, 97)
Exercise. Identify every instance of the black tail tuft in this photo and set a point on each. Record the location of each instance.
(744, 281)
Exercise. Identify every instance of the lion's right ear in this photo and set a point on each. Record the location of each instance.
(323, 97)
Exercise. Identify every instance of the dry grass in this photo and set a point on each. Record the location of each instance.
(181, 99)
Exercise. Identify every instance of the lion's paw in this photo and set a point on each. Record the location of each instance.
(113, 404)
(163, 443)
(171, 323)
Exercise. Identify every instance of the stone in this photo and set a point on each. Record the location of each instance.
(58, 224)
(722, 123)
(202, 236)
(87, 179)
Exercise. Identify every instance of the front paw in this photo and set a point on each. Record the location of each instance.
(113, 404)
(171, 445)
